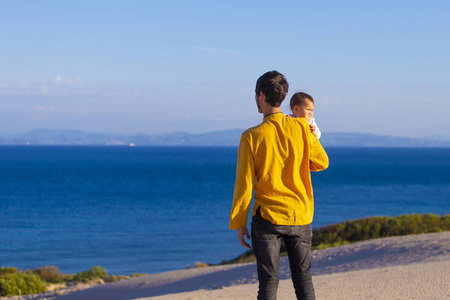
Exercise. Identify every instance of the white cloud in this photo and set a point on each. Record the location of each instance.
(58, 79)
(216, 50)
(53, 86)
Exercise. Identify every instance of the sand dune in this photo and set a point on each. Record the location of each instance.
(408, 267)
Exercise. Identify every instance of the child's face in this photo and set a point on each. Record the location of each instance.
(304, 110)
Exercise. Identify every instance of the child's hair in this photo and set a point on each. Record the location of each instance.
(299, 98)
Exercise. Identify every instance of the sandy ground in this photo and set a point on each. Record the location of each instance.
(408, 267)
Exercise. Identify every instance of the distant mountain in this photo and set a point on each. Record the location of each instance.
(75, 137)
(216, 138)
(339, 139)
(62, 137)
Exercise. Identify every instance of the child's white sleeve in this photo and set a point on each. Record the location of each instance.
(316, 130)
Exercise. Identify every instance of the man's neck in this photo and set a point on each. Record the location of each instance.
(265, 107)
(270, 110)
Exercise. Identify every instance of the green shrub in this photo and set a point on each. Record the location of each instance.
(99, 272)
(94, 273)
(7, 270)
(379, 227)
(365, 229)
(246, 257)
(114, 278)
(49, 274)
(68, 277)
(21, 284)
(137, 275)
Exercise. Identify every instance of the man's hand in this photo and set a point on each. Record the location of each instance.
(242, 233)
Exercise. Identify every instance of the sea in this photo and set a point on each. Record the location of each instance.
(155, 209)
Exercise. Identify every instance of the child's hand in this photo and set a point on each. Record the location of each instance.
(312, 128)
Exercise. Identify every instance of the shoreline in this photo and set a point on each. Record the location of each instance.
(403, 267)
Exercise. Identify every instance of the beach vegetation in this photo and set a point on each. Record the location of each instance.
(378, 227)
(114, 278)
(94, 273)
(69, 278)
(201, 265)
(138, 275)
(50, 274)
(15, 282)
(7, 270)
(19, 283)
(365, 229)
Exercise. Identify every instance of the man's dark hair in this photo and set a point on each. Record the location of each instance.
(299, 98)
(274, 86)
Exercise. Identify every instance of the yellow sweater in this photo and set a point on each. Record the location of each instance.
(275, 159)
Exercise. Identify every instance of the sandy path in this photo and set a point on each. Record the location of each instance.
(415, 281)
(409, 267)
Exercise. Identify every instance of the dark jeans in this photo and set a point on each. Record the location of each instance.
(266, 243)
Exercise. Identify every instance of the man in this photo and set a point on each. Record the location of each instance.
(275, 159)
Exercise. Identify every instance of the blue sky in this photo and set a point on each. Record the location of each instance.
(157, 67)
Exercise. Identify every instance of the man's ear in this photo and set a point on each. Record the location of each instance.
(258, 98)
(261, 96)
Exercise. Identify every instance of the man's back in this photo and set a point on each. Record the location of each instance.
(280, 153)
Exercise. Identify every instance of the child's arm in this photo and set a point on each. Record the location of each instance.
(314, 128)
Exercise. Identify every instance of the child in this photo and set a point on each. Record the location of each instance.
(302, 106)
